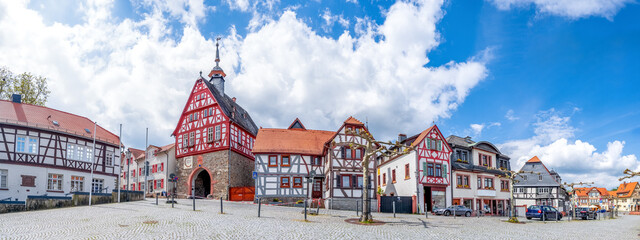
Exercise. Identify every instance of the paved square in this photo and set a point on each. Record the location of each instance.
(145, 220)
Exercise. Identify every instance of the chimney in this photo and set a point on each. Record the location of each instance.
(402, 137)
(16, 98)
(234, 99)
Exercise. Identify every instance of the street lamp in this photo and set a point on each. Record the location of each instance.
(310, 177)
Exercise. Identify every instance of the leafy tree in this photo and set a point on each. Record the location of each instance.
(34, 89)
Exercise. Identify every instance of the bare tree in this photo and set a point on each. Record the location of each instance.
(629, 174)
(372, 149)
(512, 177)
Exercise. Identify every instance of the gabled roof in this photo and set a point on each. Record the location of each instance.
(625, 189)
(460, 141)
(296, 124)
(232, 110)
(533, 179)
(46, 118)
(295, 141)
(136, 153)
(582, 192)
(353, 121)
(166, 148)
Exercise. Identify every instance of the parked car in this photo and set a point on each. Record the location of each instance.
(458, 210)
(543, 212)
(586, 213)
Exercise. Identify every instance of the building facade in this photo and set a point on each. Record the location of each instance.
(44, 151)
(592, 197)
(213, 141)
(131, 170)
(628, 197)
(542, 187)
(423, 174)
(286, 157)
(479, 183)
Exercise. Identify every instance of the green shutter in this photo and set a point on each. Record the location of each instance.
(444, 171)
(424, 166)
(439, 145)
(428, 143)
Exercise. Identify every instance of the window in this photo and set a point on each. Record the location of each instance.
(285, 161)
(359, 181)
(158, 184)
(504, 185)
(77, 183)
(284, 182)
(109, 158)
(192, 139)
(459, 180)
(488, 183)
(430, 169)
(358, 153)
(347, 153)
(297, 182)
(184, 140)
(479, 182)
(438, 170)
(27, 144)
(55, 182)
(393, 176)
(540, 178)
(273, 161)
(3, 178)
(346, 181)
(71, 151)
(524, 177)
(315, 161)
(89, 154)
(384, 179)
(407, 175)
(210, 134)
(97, 184)
(218, 133)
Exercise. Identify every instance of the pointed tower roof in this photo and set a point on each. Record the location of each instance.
(217, 70)
(534, 159)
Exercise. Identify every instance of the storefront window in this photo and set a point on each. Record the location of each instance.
(438, 198)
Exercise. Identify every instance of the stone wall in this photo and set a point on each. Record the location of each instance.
(6, 207)
(349, 204)
(216, 163)
(77, 199)
(241, 168)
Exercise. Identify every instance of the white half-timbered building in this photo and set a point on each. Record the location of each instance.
(285, 157)
(284, 160)
(423, 174)
(44, 151)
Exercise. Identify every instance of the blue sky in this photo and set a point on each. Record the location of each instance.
(555, 80)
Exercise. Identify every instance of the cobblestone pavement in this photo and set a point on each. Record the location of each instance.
(145, 220)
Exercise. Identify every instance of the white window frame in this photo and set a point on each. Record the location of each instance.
(109, 158)
(4, 177)
(55, 183)
(97, 184)
(71, 151)
(192, 139)
(80, 152)
(29, 144)
(185, 140)
(218, 133)
(75, 182)
(88, 156)
(210, 134)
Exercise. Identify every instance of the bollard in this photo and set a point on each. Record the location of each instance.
(454, 212)
(221, 211)
(305, 210)
(426, 213)
(357, 213)
(394, 209)
(556, 215)
(156, 199)
(318, 210)
(259, 206)
(173, 199)
(193, 196)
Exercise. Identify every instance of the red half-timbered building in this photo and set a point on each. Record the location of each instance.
(213, 140)
(424, 174)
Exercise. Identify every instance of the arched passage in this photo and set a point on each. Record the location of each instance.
(201, 179)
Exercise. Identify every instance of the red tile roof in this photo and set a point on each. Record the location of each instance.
(270, 140)
(43, 117)
(165, 148)
(534, 159)
(136, 153)
(352, 120)
(582, 192)
(626, 189)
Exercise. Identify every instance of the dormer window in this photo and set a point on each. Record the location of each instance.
(56, 123)
(540, 178)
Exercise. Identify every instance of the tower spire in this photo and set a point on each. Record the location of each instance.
(217, 51)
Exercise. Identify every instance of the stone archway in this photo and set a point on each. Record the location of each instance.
(202, 184)
(200, 179)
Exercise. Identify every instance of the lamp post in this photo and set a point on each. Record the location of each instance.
(309, 177)
(128, 156)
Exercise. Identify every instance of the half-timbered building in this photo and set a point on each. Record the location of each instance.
(285, 159)
(44, 151)
(423, 174)
(131, 170)
(480, 184)
(213, 140)
(627, 197)
(538, 185)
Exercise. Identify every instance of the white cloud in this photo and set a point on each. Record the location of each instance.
(476, 128)
(330, 19)
(352, 1)
(569, 8)
(511, 116)
(134, 72)
(573, 160)
(242, 5)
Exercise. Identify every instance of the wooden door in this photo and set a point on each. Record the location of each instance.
(317, 188)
